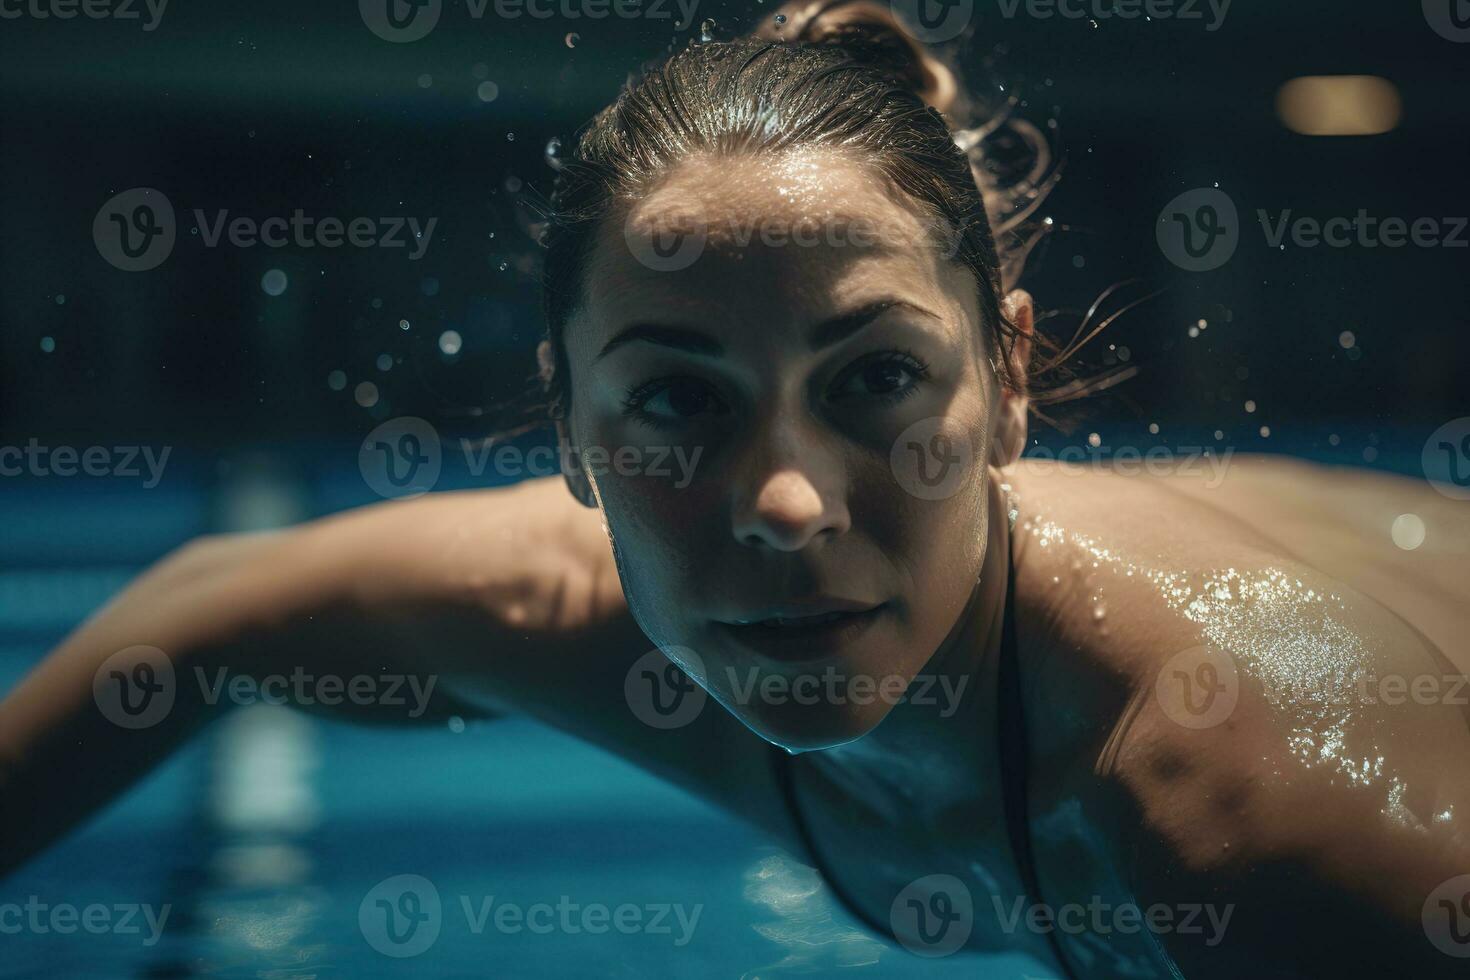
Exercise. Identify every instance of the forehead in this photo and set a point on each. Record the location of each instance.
(770, 240)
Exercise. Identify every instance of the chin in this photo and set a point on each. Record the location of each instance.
(809, 727)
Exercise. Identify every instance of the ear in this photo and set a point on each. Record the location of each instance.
(1010, 422)
(572, 469)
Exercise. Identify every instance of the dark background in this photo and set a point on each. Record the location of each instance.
(265, 107)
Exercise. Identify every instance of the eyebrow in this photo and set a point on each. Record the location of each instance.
(824, 334)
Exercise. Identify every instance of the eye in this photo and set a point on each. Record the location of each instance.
(889, 375)
(669, 401)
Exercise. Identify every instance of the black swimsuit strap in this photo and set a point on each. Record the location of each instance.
(1013, 762)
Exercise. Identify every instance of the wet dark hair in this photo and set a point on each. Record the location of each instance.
(842, 74)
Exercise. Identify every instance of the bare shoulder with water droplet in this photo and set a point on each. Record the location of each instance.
(1221, 705)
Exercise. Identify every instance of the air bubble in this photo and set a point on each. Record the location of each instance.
(1408, 531)
(572, 38)
(553, 153)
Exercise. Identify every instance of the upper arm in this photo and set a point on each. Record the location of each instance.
(1332, 829)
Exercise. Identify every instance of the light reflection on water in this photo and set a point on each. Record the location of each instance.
(803, 922)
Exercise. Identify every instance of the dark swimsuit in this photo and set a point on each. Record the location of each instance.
(1012, 763)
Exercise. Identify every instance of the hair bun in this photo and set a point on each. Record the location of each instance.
(874, 34)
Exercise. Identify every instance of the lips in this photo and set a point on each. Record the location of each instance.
(809, 631)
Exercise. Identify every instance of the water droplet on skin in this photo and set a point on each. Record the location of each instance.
(572, 39)
(780, 18)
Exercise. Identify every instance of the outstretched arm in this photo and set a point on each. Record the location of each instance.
(493, 601)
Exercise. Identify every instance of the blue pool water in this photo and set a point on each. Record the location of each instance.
(264, 836)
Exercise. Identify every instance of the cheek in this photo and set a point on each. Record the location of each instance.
(662, 538)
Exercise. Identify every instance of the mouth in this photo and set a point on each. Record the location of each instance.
(793, 636)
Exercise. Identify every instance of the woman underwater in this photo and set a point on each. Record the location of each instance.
(1025, 687)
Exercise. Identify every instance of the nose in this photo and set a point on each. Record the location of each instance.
(790, 497)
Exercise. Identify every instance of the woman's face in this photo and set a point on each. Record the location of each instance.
(786, 417)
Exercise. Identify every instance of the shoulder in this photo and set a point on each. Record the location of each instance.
(1245, 730)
